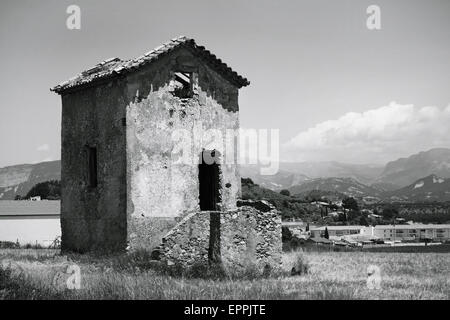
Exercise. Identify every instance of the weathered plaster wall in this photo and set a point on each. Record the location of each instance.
(162, 190)
(93, 218)
(249, 235)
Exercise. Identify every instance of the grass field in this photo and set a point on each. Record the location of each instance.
(39, 274)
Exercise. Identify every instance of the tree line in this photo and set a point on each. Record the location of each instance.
(48, 190)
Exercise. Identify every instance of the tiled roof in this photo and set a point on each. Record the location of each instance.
(44, 208)
(115, 66)
(412, 226)
(337, 228)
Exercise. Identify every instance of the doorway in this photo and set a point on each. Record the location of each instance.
(209, 180)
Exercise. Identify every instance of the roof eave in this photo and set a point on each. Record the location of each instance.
(209, 58)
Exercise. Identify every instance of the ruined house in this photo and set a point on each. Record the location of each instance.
(123, 184)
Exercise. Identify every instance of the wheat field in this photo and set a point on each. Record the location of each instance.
(40, 274)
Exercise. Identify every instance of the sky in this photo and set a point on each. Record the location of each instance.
(335, 89)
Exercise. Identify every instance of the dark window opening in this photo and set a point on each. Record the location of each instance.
(92, 166)
(183, 85)
(209, 180)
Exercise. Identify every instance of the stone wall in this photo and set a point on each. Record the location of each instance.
(94, 218)
(249, 235)
(188, 241)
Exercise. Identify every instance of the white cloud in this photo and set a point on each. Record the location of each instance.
(44, 147)
(374, 136)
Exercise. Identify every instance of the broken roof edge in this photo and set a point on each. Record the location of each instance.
(114, 66)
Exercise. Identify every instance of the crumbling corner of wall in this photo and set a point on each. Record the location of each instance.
(249, 234)
(261, 205)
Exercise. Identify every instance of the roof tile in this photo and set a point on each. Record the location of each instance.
(114, 66)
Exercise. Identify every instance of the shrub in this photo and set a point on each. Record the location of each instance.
(9, 245)
(286, 234)
(50, 190)
(300, 265)
(32, 246)
(293, 244)
(326, 235)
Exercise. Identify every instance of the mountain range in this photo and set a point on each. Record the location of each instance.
(400, 179)
(293, 173)
(405, 171)
(390, 182)
(430, 188)
(347, 186)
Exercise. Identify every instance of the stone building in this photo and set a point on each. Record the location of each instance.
(124, 185)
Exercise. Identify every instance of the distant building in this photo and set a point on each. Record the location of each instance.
(297, 228)
(30, 222)
(336, 231)
(337, 203)
(404, 232)
(436, 232)
(36, 198)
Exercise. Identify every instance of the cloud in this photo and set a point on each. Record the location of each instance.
(44, 147)
(374, 136)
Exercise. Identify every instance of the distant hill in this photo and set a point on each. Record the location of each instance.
(364, 173)
(347, 186)
(289, 207)
(299, 177)
(282, 180)
(395, 175)
(430, 188)
(320, 195)
(19, 179)
(295, 173)
(405, 171)
(384, 186)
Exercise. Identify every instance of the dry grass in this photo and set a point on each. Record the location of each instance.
(38, 274)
